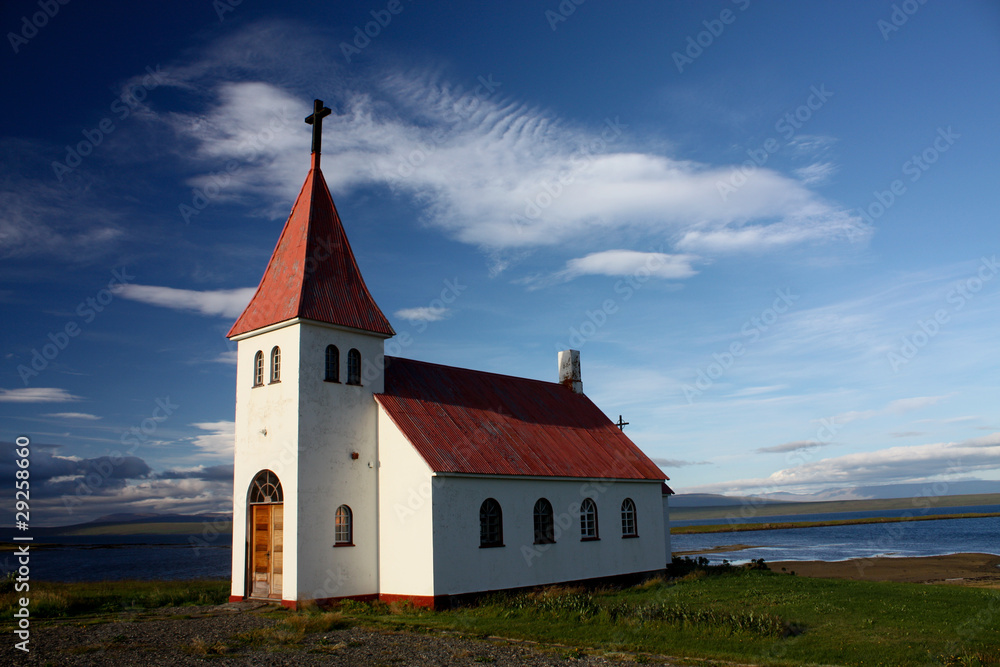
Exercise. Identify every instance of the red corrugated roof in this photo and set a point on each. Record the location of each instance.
(312, 273)
(465, 421)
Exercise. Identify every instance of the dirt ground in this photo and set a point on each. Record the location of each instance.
(965, 569)
(191, 636)
(200, 635)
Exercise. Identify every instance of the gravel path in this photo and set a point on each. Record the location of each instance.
(206, 635)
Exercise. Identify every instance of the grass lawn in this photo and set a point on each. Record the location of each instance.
(755, 617)
(918, 505)
(744, 527)
(60, 600)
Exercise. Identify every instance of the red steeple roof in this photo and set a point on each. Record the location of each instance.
(312, 273)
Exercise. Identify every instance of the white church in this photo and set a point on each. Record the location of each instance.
(360, 475)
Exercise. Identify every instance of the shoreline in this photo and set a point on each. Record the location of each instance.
(786, 525)
(965, 569)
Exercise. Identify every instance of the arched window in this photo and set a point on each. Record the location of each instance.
(276, 364)
(545, 531)
(588, 520)
(628, 519)
(332, 373)
(258, 369)
(353, 367)
(265, 488)
(343, 527)
(490, 524)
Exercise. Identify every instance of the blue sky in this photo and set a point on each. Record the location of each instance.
(770, 228)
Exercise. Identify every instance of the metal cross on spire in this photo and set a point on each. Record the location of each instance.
(621, 424)
(316, 120)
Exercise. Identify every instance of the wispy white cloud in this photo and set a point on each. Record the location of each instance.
(37, 395)
(818, 172)
(218, 441)
(227, 357)
(791, 447)
(679, 463)
(754, 391)
(631, 262)
(811, 145)
(72, 415)
(221, 303)
(893, 464)
(422, 314)
(496, 172)
(726, 239)
(897, 407)
(642, 265)
(38, 218)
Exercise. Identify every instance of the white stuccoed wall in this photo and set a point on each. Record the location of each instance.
(336, 419)
(312, 428)
(273, 407)
(461, 566)
(406, 562)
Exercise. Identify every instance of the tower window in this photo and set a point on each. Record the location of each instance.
(628, 519)
(258, 369)
(353, 367)
(332, 373)
(275, 364)
(545, 530)
(588, 520)
(490, 524)
(343, 527)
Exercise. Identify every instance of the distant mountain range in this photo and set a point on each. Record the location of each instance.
(136, 523)
(108, 524)
(884, 491)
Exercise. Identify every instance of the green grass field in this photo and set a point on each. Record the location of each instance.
(753, 617)
(749, 510)
(62, 600)
(716, 614)
(745, 527)
(152, 528)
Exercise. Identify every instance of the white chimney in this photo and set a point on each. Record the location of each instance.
(569, 370)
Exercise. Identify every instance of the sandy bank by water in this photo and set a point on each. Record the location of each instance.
(965, 569)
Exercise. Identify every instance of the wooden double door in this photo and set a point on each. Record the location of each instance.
(266, 550)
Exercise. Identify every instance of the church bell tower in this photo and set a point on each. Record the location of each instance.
(310, 358)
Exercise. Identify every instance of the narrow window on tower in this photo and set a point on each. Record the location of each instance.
(275, 364)
(343, 529)
(353, 367)
(258, 369)
(332, 373)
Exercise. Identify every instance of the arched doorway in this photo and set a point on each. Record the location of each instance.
(265, 511)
